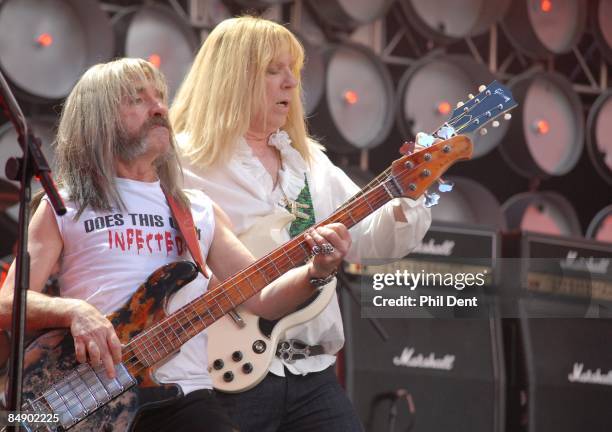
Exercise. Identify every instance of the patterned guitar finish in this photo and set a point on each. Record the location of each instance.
(50, 361)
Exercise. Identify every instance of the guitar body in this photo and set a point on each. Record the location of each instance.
(227, 336)
(50, 357)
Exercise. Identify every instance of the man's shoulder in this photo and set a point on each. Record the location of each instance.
(198, 197)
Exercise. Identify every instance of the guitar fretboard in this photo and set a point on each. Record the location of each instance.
(166, 337)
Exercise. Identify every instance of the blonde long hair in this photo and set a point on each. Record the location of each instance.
(226, 82)
(89, 131)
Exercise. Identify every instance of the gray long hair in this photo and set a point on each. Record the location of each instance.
(90, 129)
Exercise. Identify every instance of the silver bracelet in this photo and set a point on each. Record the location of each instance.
(319, 282)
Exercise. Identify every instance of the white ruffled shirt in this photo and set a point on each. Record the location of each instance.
(245, 191)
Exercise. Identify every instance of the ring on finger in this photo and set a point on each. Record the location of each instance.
(316, 250)
(327, 249)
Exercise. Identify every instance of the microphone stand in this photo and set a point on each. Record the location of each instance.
(32, 163)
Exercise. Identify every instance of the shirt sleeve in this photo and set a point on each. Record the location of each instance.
(379, 235)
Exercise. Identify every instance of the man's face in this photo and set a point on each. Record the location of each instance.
(280, 83)
(146, 129)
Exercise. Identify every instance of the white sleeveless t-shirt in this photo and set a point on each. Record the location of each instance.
(107, 255)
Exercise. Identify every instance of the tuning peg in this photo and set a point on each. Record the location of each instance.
(431, 199)
(471, 96)
(460, 104)
(483, 131)
(445, 185)
(507, 116)
(495, 123)
(482, 88)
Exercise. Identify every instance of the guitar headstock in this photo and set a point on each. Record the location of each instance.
(413, 174)
(493, 101)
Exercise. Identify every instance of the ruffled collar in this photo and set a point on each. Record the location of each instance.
(293, 167)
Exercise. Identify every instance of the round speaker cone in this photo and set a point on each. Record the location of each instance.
(469, 203)
(599, 138)
(313, 75)
(156, 33)
(547, 129)
(541, 28)
(601, 23)
(429, 90)
(600, 227)
(349, 14)
(542, 212)
(356, 111)
(47, 44)
(448, 20)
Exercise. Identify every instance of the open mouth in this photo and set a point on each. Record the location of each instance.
(283, 103)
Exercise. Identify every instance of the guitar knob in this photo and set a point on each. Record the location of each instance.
(507, 116)
(471, 96)
(259, 346)
(483, 131)
(228, 376)
(460, 104)
(218, 364)
(482, 88)
(495, 123)
(237, 356)
(247, 368)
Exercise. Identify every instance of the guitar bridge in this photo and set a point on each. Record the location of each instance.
(83, 391)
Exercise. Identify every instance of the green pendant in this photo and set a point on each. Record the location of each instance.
(303, 211)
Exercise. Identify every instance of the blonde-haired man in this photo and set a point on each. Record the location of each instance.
(115, 153)
(242, 133)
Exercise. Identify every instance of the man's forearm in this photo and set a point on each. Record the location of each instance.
(42, 311)
(283, 295)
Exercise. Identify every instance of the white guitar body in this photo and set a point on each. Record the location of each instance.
(239, 352)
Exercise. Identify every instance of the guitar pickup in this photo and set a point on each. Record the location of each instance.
(237, 319)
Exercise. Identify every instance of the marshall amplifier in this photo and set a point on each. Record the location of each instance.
(452, 371)
(557, 276)
(452, 260)
(557, 350)
(559, 374)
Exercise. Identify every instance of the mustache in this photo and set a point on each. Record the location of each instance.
(155, 121)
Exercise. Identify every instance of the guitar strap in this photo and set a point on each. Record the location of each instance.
(186, 226)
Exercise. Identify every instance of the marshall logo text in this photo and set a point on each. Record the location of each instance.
(408, 359)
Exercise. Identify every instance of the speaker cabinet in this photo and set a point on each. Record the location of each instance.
(453, 370)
